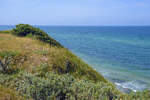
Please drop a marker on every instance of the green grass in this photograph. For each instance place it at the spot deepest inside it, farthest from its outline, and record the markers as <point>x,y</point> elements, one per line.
<point>5,32</point>
<point>9,53</point>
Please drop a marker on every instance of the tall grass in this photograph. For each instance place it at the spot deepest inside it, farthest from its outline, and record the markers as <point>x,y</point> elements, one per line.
<point>9,94</point>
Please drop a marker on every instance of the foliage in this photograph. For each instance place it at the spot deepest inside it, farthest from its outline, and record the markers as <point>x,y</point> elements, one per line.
<point>144,95</point>
<point>5,65</point>
<point>9,58</point>
<point>59,87</point>
<point>27,30</point>
<point>65,87</point>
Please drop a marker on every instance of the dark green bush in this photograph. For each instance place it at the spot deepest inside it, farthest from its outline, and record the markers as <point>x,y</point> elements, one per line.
<point>28,30</point>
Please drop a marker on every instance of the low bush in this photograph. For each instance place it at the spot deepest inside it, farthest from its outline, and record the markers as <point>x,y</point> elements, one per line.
<point>5,65</point>
<point>27,30</point>
<point>65,87</point>
<point>8,59</point>
<point>60,87</point>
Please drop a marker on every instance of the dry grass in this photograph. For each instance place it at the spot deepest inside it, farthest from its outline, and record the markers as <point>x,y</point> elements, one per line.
<point>8,94</point>
<point>32,49</point>
<point>32,53</point>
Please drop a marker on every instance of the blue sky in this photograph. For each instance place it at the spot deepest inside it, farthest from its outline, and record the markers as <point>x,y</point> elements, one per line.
<point>75,12</point>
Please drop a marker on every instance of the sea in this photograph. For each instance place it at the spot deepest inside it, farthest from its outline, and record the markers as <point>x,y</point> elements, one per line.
<point>120,53</point>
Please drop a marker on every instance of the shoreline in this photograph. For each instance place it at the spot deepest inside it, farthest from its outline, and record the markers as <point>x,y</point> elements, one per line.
<point>122,84</point>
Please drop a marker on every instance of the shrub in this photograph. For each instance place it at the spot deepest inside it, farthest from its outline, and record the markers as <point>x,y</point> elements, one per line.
<point>5,65</point>
<point>65,87</point>
<point>61,87</point>
<point>10,58</point>
<point>27,30</point>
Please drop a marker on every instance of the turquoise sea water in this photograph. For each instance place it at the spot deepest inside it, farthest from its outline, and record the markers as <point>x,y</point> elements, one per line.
<point>121,54</point>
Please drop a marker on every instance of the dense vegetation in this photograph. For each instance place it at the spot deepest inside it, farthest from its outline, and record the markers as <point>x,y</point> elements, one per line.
<point>42,70</point>
<point>27,30</point>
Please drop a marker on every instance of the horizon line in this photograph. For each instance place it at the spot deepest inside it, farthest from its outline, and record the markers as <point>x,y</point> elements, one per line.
<point>76,25</point>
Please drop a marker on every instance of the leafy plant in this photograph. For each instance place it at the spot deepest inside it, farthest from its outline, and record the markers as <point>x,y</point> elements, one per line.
<point>59,87</point>
<point>8,58</point>
<point>5,65</point>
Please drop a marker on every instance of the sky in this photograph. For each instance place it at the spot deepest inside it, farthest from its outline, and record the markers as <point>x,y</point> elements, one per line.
<point>75,12</point>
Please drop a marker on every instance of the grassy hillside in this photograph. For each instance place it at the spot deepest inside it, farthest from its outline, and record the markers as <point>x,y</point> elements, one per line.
<point>45,70</point>
<point>28,54</point>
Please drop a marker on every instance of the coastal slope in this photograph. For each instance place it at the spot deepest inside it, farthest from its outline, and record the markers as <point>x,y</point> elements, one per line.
<point>38,67</point>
